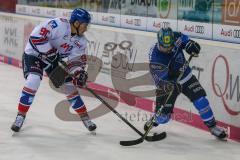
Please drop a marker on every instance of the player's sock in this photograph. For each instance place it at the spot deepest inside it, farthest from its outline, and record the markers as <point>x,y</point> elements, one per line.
<point>23,107</point>
<point>78,105</point>
<point>28,93</point>
<point>205,111</point>
<point>26,100</point>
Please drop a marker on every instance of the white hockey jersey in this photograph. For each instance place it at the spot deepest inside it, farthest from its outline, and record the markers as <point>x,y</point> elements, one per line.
<point>54,36</point>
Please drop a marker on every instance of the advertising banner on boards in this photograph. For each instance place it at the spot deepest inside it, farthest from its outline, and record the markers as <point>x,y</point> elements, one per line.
<point>109,19</point>
<point>134,22</point>
<point>118,60</point>
<point>195,29</point>
<point>11,39</point>
<point>154,24</point>
<point>226,33</point>
<point>231,12</point>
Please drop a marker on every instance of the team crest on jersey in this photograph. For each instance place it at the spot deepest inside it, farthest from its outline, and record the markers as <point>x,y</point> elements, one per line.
<point>78,44</point>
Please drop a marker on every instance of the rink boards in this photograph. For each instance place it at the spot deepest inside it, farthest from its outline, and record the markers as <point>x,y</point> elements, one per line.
<point>118,64</point>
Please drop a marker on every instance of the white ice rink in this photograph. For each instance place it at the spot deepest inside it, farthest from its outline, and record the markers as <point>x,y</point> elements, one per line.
<point>45,137</point>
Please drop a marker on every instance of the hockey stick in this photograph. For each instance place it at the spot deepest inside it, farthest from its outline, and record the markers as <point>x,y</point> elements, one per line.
<point>141,139</point>
<point>156,137</point>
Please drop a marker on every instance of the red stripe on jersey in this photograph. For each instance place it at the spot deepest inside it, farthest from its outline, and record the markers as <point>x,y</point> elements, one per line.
<point>41,40</point>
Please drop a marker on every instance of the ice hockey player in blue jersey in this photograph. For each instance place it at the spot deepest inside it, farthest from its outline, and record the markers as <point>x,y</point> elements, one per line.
<point>166,60</point>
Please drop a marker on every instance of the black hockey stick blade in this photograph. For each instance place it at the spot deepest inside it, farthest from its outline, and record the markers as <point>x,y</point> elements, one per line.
<point>131,142</point>
<point>155,137</point>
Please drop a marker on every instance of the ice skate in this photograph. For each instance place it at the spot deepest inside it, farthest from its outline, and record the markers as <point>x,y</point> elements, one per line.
<point>218,132</point>
<point>88,123</point>
<point>18,123</point>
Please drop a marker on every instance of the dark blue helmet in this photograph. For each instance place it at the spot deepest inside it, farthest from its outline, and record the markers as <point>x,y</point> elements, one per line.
<point>165,37</point>
<point>80,15</point>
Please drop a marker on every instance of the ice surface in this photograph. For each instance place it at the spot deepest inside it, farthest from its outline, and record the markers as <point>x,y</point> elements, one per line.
<point>45,137</point>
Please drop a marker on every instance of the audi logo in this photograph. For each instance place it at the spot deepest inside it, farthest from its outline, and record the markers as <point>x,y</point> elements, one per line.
<point>199,29</point>
<point>161,24</point>
<point>137,22</point>
<point>236,33</point>
<point>112,19</point>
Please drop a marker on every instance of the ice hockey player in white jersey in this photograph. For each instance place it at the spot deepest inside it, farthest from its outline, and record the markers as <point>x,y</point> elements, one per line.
<point>50,42</point>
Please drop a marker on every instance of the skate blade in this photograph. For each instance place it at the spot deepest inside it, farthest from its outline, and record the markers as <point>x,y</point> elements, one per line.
<point>222,139</point>
<point>94,133</point>
<point>14,134</point>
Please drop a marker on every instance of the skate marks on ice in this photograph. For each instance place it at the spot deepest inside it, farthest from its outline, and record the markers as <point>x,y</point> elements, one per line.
<point>44,136</point>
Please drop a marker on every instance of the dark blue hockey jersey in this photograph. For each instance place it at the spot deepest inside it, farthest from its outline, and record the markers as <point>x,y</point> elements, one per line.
<point>160,62</point>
